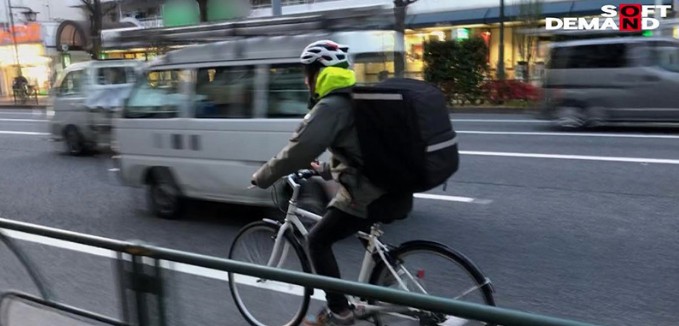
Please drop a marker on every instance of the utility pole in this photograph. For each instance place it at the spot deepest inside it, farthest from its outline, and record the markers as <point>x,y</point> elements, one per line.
<point>14,38</point>
<point>277,7</point>
<point>97,26</point>
<point>93,9</point>
<point>400,13</point>
<point>501,53</point>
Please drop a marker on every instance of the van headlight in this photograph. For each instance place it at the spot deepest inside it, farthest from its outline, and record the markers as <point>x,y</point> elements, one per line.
<point>49,112</point>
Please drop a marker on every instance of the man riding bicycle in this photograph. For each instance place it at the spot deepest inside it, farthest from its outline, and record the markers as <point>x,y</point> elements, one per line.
<point>358,203</point>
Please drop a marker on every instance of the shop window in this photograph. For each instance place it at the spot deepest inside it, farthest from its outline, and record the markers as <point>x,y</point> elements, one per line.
<point>72,83</point>
<point>225,92</point>
<point>288,95</point>
<point>158,95</point>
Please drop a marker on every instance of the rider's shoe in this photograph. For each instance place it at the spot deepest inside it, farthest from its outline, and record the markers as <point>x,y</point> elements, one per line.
<point>325,317</point>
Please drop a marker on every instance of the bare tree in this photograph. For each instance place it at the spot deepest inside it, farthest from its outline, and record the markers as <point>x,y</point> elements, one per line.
<point>400,13</point>
<point>95,13</point>
<point>529,16</point>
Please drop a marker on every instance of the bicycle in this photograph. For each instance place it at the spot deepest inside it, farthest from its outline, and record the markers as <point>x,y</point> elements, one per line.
<point>383,265</point>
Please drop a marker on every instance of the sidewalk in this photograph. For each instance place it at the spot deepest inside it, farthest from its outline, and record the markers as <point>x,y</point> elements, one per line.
<point>494,109</point>
<point>8,102</point>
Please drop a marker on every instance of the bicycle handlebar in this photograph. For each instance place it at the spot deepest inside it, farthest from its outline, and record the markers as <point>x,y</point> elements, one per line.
<point>294,178</point>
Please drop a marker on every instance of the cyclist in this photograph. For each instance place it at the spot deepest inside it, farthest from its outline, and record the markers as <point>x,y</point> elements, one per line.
<point>20,85</point>
<point>358,203</point>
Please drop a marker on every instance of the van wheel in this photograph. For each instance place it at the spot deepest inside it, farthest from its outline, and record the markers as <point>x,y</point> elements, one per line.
<point>74,141</point>
<point>164,196</point>
<point>569,117</point>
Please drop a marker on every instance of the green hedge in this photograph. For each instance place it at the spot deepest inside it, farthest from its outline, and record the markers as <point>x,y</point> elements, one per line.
<point>457,67</point>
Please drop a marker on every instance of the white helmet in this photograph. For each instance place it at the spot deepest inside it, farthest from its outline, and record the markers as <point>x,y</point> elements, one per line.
<point>327,53</point>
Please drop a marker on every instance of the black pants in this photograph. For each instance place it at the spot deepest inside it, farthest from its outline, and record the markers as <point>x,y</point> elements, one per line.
<point>333,227</point>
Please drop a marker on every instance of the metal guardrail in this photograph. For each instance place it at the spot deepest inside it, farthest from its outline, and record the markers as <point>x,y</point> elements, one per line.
<point>137,279</point>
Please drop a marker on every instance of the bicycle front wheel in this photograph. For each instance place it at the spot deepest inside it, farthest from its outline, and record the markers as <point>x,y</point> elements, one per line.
<point>267,302</point>
<point>434,269</point>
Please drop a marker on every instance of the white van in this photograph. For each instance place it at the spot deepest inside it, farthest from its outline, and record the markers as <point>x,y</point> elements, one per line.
<point>204,118</point>
<point>84,100</point>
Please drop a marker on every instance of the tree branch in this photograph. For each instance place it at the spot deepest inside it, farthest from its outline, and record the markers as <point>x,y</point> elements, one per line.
<point>88,5</point>
<point>107,11</point>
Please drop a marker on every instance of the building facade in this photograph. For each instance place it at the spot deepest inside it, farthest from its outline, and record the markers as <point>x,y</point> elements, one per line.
<point>426,20</point>
<point>28,40</point>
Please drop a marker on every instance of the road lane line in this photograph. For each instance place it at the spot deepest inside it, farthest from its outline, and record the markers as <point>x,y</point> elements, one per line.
<point>185,268</point>
<point>565,134</point>
<point>252,281</point>
<point>24,120</point>
<point>576,157</point>
<point>31,133</point>
<point>500,121</point>
<point>453,198</point>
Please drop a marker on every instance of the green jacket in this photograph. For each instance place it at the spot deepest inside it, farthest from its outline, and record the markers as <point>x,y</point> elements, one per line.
<point>329,125</point>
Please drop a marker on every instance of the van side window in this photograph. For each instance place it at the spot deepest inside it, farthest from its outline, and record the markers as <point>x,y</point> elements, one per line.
<point>288,95</point>
<point>593,56</point>
<point>598,56</point>
<point>115,75</point>
<point>72,83</point>
<point>158,95</point>
<point>666,56</point>
<point>225,92</point>
<point>558,58</point>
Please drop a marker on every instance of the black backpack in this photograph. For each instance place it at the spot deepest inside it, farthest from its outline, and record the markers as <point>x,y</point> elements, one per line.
<point>406,137</point>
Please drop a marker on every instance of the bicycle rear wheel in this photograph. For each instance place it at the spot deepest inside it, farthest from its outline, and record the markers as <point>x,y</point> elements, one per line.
<point>267,302</point>
<point>434,269</point>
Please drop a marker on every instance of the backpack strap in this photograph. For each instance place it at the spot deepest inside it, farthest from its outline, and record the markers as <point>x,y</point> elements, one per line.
<point>347,93</point>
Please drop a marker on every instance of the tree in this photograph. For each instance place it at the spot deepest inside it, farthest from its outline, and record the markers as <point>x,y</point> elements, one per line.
<point>457,68</point>
<point>95,13</point>
<point>400,12</point>
<point>530,13</point>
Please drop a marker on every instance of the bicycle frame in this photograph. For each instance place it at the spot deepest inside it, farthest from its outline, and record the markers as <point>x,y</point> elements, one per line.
<point>292,223</point>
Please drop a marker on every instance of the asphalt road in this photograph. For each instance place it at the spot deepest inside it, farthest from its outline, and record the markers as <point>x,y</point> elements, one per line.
<point>581,226</point>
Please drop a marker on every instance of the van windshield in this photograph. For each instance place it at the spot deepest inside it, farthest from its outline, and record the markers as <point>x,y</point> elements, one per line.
<point>157,94</point>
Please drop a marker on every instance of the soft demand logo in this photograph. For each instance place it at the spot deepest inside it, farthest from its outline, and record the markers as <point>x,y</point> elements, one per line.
<point>626,17</point>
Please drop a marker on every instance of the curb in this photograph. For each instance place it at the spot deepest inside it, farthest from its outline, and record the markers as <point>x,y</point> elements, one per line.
<point>486,110</point>
<point>494,110</point>
<point>22,106</point>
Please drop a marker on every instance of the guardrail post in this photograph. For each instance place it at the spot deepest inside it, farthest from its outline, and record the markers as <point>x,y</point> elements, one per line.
<point>142,286</point>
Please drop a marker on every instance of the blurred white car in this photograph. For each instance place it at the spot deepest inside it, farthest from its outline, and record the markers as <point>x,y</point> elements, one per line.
<point>84,100</point>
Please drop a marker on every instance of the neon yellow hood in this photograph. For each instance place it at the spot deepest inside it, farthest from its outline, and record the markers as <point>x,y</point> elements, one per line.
<point>332,78</point>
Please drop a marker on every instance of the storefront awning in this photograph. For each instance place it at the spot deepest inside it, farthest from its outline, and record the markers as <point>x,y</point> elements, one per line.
<point>491,15</point>
<point>72,35</point>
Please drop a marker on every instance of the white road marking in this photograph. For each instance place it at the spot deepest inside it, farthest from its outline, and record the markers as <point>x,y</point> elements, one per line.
<point>31,133</point>
<point>576,157</point>
<point>185,268</point>
<point>565,134</point>
<point>453,198</point>
<point>24,120</point>
<point>177,267</point>
<point>500,121</point>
